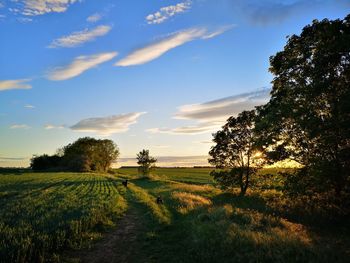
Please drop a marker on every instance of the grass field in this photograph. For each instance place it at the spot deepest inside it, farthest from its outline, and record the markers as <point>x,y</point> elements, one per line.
<point>190,175</point>
<point>41,214</point>
<point>64,216</point>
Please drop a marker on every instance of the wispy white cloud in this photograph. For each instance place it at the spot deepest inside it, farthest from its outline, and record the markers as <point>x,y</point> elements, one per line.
<point>15,84</point>
<point>78,38</point>
<point>19,126</point>
<point>40,7</point>
<point>29,106</point>
<point>94,18</point>
<point>3,158</point>
<point>188,130</point>
<point>108,125</point>
<point>222,109</point>
<point>210,116</point>
<point>24,20</point>
<point>157,49</point>
<point>218,31</point>
<point>51,126</point>
<point>79,65</point>
<point>166,12</point>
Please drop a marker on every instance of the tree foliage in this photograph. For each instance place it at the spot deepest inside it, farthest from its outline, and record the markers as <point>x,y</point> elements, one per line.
<point>235,152</point>
<point>308,116</point>
<point>46,162</point>
<point>84,155</point>
<point>145,161</point>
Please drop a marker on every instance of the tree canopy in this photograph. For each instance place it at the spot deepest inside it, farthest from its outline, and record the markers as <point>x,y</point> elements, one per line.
<point>145,161</point>
<point>84,155</point>
<point>235,152</point>
<point>308,116</point>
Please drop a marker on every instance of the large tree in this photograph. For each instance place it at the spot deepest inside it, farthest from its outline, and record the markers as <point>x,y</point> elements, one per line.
<point>89,154</point>
<point>84,155</point>
<point>308,116</point>
<point>145,161</point>
<point>235,153</point>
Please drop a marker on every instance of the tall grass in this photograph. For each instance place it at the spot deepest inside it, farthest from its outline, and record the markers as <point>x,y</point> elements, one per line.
<point>159,212</point>
<point>210,225</point>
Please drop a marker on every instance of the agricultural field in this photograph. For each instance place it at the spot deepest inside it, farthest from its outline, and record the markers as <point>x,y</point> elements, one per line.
<point>191,175</point>
<point>86,217</point>
<point>42,214</point>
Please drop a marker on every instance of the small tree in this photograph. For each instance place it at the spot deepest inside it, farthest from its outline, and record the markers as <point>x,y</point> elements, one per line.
<point>235,153</point>
<point>145,161</point>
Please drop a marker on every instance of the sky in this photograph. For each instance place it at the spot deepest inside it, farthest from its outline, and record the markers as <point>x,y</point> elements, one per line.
<point>156,74</point>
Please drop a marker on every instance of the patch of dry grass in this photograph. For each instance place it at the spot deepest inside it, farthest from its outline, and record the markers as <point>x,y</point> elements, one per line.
<point>188,201</point>
<point>194,188</point>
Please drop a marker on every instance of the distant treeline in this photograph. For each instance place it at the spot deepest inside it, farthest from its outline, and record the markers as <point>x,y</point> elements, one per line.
<point>13,169</point>
<point>84,155</point>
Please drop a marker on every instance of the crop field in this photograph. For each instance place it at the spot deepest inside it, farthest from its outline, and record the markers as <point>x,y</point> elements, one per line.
<point>41,214</point>
<point>85,217</point>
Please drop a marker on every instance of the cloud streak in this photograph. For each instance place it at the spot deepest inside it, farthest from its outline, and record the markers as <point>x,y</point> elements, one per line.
<point>94,18</point>
<point>189,130</point>
<point>222,109</point>
<point>41,7</point>
<point>78,38</point>
<point>19,126</point>
<point>51,127</point>
<point>157,49</point>
<point>210,116</point>
<point>108,125</point>
<point>29,106</point>
<point>2,158</point>
<point>166,12</point>
<point>15,84</point>
<point>79,65</point>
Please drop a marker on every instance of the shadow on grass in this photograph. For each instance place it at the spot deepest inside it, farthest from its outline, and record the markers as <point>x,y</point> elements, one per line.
<point>253,202</point>
<point>232,229</point>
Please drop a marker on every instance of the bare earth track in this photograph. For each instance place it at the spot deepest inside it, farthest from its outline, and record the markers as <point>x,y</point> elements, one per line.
<point>116,246</point>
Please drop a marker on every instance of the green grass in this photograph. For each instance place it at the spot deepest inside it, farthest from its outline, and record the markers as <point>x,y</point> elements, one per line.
<point>44,214</point>
<point>189,175</point>
<point>209,225</point>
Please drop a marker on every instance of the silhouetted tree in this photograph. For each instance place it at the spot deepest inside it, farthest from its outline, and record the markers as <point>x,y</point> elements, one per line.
<point>235,153</point>
<point>308,116</point>
<point>46,162</point>
<point>145,161</point>
<point>84,155</point>
<point>89,154</point>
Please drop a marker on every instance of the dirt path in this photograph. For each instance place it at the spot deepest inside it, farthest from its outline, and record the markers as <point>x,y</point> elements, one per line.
<point>118,246</point>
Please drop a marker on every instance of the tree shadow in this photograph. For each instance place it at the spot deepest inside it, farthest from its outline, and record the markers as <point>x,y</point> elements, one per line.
<point>251,201</point>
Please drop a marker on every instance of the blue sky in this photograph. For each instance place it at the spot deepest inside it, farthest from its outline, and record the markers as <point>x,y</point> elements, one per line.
<point>155,74</point>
